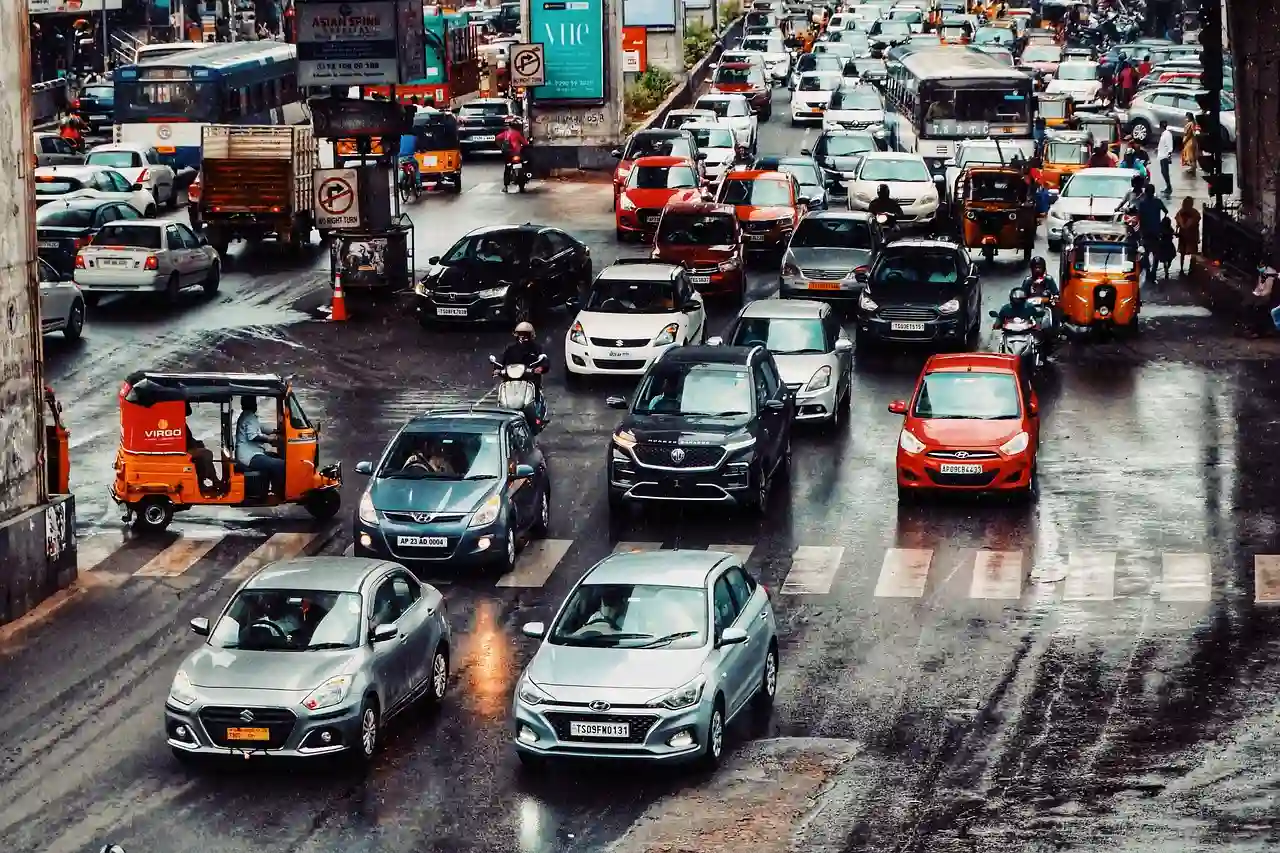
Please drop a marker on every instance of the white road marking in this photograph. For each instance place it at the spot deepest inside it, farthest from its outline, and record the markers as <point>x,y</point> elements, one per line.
<point>93,550</point>
<point>997,574</point>
<point>281,546</point>
<point>1187,577</point>
<point>486,187</point>
<point>813,570</point>
<point>904,573</point>
<point>178,557</point>
<point>1091,576</point>
<point>1266,578</point>
<point>536,563</point>
<point>742,552</point>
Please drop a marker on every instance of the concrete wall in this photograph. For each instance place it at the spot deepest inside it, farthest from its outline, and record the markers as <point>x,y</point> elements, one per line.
<point>39,556</point>
<point>1251,30</point>
<point>21,424</point>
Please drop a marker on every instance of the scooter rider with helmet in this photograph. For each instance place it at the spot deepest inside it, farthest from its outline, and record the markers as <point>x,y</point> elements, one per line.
<point>1018,308</point>
<point>526,350</point>
<point>1039,283</point>
<point>886,204</point>
<point>513,143</point>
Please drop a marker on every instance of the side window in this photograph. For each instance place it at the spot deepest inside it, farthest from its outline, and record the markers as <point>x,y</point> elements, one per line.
<point>297,416</point>
<point>726,609</point>
<point>769,373</point>
<point>385,604</point>
<point>762,388</point>
<point>559,242</point>
<point>684,290</point>
<point>174,237</point>
<point>542,248</point>
<point>188,236</point>
<point>831,329</point>
<point>406,590</point>
<point>118,182</point>
<point>105,215</point>
<point>521,441</point>
<point>60,145</point>
<point>124,211</point>
<point>742,585</point>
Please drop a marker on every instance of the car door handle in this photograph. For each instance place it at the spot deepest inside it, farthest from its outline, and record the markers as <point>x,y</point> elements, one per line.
<point>404,638</point>
<point>764,617</point>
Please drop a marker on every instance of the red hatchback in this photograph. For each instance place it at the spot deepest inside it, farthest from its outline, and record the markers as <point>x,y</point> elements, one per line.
<point>972,425</point>
<point>651,185</point>
<point>706,240</point>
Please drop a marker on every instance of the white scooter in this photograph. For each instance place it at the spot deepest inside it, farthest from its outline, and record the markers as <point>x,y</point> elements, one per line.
<point>517,390</point>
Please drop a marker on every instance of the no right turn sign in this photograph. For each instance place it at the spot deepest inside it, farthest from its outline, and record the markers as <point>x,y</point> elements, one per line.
<point>337,203</point>
<point>527,65</point>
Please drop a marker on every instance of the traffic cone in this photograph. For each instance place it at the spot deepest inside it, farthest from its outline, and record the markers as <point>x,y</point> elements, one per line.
<point>339,311</point>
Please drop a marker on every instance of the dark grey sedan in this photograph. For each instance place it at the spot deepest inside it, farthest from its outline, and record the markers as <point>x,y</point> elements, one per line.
<point>826,252</point>
<point>310,657</point>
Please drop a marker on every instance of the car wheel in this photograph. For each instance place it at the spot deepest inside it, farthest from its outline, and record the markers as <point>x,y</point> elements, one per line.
<point>760,494</point>
<point>323,505</point>
<point>521,309</point>
<point>542,525</point>
<point>906,496</point>
<point>212,280</point>
<point>75,322</point>
<point>150,212</point>
<point>762,702</point>
<point>362,754</point>
<point>1032,491</point>
<point>153,514</point>
<point>439,685</point>
<point>172,290</point>
<point>713,749</point>
<point>506,561</point>
<point>1140,130</point>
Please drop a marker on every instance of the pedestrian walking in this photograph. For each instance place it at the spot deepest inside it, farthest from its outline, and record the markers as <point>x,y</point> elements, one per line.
<point>1128,79</point>
<point>1168,247</point>
<point>1164,153</point>
<point>1190,145</point>
<point>1187,222</point>
<point>1151,212</point>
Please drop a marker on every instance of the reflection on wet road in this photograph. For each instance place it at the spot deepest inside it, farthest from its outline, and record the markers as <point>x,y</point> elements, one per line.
<point>1094,671</point>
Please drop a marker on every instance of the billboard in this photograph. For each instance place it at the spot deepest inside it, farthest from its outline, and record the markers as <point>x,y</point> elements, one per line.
<point>369,43</point>
<point>572,36</point>
<point>47,7</point>
<point>652,14</point>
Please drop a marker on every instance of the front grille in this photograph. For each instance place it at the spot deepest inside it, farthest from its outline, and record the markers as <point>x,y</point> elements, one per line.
<point>675,490</point>
<point>967,454</point>
<point>983,479</point>
<point>660,456</point>
<point>423,517</point>
<point>619,342</point>
<point>620,363</point>
<point>825,275</point>
<point>277,721</point>
<point>757,227</point>
<point>909,313</point>
<point>703,270</point>
<point>905,202</point>
<point>1104,296</point>
<point>640,725</point>
<point>455,298</point>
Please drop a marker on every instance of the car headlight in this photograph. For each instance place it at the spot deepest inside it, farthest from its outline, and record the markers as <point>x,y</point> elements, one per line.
<point>1016,445</point>
<point>685,696</point>
<point>488,512</point>
<point>626,204</point>
<point>625,439</point>
<point>866,303</point>
<point>577,334</point>
<point>908,442</point>
<point>729,265</point>
<point>182,692</point>
<point>331,693</point>
<point>494,292</point>
<point>367,513</point>
<point>790,270</point>
<point>821,379</point>
<point>951,306</point>
<point>530,693</point>
<point>740,444</point>
<point>421,289</point>
<point>667,335</point>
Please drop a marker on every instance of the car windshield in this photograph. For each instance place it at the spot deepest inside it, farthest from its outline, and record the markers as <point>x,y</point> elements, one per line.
<point>857,98</point>
<point>101,93</point>
<point>911,16</point>
<point>1104,257</point>
<point>968,396</point>
<point>759,193</point>
<point>782,336</point>
<point>734,76</point>
<point>1077,71</point>
<point>1042,53</point>
<point>695,390</point>
<point>65,217</point>
<point>831,233</point>
<point>982,156</point>
<point>893,28</point>
<point>806,174</point>
<point>675,121</point>
<point>869,66</point>
<point>992,35</point>
<point>278,620</point>
<point>128,236</point>
<point>844,146</point>
<point>485,110</point>
<point>816,83</point>
<point>60,186</point>
<point>114,159</point>
<point>509,247</point>
<point>620,296</point>
<point>1003,55</point>
<point>657,146</point>
<point>442,455</point>
<point>900,269</point>
<point>1084,185</point>
<point>894,170</point>
<point>661,178</point>
<point>712,137</point>
<point>692,229</point>
<point>718,106</point>
<point>759,44</point>
<point>1071,153</point>
<point>632,616</point>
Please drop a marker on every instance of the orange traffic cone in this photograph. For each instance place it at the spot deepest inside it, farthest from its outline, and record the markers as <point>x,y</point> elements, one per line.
<point>339,310</point>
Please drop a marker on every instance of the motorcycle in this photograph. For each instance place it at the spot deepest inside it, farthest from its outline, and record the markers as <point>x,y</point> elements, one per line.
<point>1019,337</point>
<point>517,390</point>
<point>516,172</point>
<point>410,182</point>
<point>885,229</point>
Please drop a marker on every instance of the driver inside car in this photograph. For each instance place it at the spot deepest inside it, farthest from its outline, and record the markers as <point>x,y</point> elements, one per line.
<point>610,613</point>
<point>668,398</point>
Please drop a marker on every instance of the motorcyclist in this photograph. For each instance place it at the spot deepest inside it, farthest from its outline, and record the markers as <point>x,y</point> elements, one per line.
<point>407,161</point>
<point>513,143</point>
<point>886,204</point>
<point>72,130</point>
<point>526,350</point>
<point>1018,308</point>
<point>1039,283</point>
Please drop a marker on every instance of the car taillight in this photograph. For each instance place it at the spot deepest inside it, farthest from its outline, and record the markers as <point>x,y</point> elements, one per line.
<point>142,177</point>
<point>862,269</point>
<point>153,263</point>
<point>80,242</point>
<point>193,192</point>
<point>75,103</point>
<point>79,261</point>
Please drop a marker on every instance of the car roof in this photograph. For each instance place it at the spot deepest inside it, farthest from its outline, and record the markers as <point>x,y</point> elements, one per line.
<point>487,101</point>
<point>319,574</point>
<point>737,66</point>
<point>891,155</point>
<point>643,270</point>
<point>925,243</point>
<point>989,362</point>
<point>796,309</point>
<point>659,132</point>
<point>758,175</point>
<point>1107,171</point>
<point>848,131</point>
<point>856,215</point>
<point>731,356</point>
<point>661,161</point>
<point>680,568</point>
<point>492,416</point>
<point>705,125</point>
<point>73,171</point>
<point>721,96</point>
<point>528,228</point>
<point>699,208</point>
<point>81,202</point>
<point>801,160</point>
<point>118,146</point>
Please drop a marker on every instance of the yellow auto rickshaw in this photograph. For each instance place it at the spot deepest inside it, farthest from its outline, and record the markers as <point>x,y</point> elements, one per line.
<point>1057,110</point>
<point>161,468</point>
<point>996,210</point>
<point>1100,277</point>
<point>436,148</point>
<point>1065,153</point>
<point>1102,129</point>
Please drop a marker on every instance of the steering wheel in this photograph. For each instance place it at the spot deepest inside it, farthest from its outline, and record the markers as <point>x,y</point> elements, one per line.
<point>265,624</point>
<point>754,342</point>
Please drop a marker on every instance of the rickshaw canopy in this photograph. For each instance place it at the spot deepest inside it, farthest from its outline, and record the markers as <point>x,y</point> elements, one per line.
<point>1102,128</point>
<point>1088,233</point>
<point>148,389</point>
<point>995,185</point>
<point>1054,105</point>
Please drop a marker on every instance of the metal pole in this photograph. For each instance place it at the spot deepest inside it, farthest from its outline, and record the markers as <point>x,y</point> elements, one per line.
<point>106,49</point>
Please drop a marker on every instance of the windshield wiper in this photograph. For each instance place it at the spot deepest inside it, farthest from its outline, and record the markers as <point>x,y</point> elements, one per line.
<point>797,351</point>
<point>322,646</point>
<point>679,635</point>
<point>481,477</point>
<point>725,414</point>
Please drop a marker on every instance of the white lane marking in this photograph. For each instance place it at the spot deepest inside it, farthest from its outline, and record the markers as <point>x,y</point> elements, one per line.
<point>178,557</point>
<point>904,573</point>
<point>1266,578</point>
<point>486,187</point>
<point>997,574</point>
<point>93,550</point>
<point>280,546</point>
<point>636,547</point>
<point>1187,577</point>
<point>1091,576</point>
<point>742,552</point>
<point>536,563</point>
<point>813,570</point>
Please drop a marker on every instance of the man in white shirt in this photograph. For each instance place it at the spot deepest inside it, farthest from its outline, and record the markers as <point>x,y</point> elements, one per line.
<point>1164,153</point>
<point>253,445</point>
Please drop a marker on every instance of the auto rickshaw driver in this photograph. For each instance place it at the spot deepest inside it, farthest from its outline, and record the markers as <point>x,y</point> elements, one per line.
<point>253,445</point>
<point>201,458</point>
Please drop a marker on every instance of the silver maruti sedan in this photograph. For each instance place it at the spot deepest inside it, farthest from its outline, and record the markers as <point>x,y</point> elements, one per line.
<point>310,657</point>
<point>650,657</point>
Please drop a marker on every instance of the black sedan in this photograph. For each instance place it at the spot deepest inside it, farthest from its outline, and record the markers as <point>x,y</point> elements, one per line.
<point>920,291</point>
<point>64,227</point>
<point>837,153</point>
<point>803,169</point>
<point>506,273</point>
<point>96,106</point>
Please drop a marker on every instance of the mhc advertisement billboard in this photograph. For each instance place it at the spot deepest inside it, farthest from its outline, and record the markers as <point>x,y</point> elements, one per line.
<point>572,36</point>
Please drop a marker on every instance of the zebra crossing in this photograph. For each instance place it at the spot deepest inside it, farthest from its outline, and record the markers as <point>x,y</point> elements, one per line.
<point>941,575</point>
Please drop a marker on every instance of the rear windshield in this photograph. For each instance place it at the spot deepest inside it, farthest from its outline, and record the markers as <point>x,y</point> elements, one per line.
<point>128,236</point>
<point>816,83</point>
<point>613,296</point>
<point>101,93</point>
<point>62,217</point>
<point>692,229</point>
<point>485,109</point>
<point>844,146</point>
<point>114,159</point>
<point>662,178</point>
<point>734,76</point>
<point>649,146</point>
<point>720,108</point>
<point>759,193</point>
<point>783,335</point>
<point>62,186</point>
<point>712,137</point>
<point>860,98</point>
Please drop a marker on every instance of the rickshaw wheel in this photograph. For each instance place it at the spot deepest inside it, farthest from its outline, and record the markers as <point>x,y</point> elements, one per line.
<point>322,505</point>
<point>455,186</point>
<point>989,254</point>
<point>152,514</point>
<point>1026,253</point>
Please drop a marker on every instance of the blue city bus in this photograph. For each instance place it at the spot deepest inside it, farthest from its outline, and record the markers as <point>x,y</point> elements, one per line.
<point>165,103</point>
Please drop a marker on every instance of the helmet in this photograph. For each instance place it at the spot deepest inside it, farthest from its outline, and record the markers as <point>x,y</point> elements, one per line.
<point>513,122</point>
<point>1017,297</point>
<point>524,329</point>
<point>883,191</point>
<point>1039,263</point>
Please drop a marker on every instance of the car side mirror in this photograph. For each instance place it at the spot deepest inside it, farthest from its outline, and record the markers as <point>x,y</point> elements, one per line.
<point>702,155</point>
<point>200,626</point>
<point>807,152</point>
<point>861,277</point>
<point>804,201</point>
<point>898,407</point>
<point>691,306</point>
<point>939,179</point>
<point>365,468</point>
<point>433,260</point>
<point>382,633</point>
<point>775,405</point>
<point>534,630</point>
<point>616,402</point>
<point>732,636</point>
<point>715,341</point>
<point>993,315</point>
<point>575,303</point>
<point>616,153</point>
<point>1053,195</point>
<point>844,345</point>
<point>524,472</point>
<point>949,163</point>
<point>135,187</point>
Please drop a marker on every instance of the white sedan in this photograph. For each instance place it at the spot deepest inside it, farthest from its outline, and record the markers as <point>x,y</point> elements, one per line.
<point>734,112</point>
<point>718,143</point>
<point>812,96</point>
<point>63,182</point>
<point>1093,193</point>
<point>146,257</point>
<point>1079,79</point>
<point>777,59</point>
<point>139,165</point>
<point>908,178</point>
<point>633,314</point>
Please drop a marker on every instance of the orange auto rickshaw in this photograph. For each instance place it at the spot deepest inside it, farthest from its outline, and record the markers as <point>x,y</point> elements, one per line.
<point>1057,110</point>
<point>161,469</point>
<point>996,210</point>
<point>1065,153</point>
<point>1100,277</point>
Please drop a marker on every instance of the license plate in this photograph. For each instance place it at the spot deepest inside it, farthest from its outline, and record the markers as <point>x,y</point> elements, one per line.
<point>97,118</point>
<point>756,238</point>
<point>112,262</point>
<point>422,541</point>
<point>961,469</point>
<point>451,312</point>
<point>248,734</point>
<point>431,161</point>
<point>618,730</point>
<point>906,327</point>
<point>485,138</point>
<point>652,220</point>
<point>613,353</point>
<point>824,285</point>
<point>700,279</point>
<point>47,244</point>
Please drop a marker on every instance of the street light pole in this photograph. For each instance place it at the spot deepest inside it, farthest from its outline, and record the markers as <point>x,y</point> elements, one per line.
<point>106,47</point>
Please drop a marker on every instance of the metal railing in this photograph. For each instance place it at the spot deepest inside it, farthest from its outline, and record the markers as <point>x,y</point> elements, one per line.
<point>124,47</point>
<point>1234,243</point>
<point>48,100</point>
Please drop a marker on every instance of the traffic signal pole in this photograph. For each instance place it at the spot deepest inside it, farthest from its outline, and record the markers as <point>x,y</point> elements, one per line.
<point>1212,139</point>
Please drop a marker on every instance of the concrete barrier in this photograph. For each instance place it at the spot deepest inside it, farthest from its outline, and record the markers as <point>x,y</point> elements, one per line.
<point>39,548</point>
<point>48,99</point>
<point>689,90</point>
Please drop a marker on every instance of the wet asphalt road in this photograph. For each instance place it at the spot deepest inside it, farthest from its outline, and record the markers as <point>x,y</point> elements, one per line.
<point>1090,673</point>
